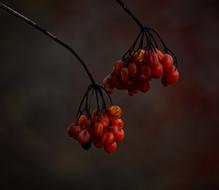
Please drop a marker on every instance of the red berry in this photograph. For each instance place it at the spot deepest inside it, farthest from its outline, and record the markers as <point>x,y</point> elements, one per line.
<point>84,137</point>
<point>118,122</point>
<point>110,148</point>
<point>119,135</point>
<point>167,62</point>
<point>108,138</point>
<point>172,76</point>
<point>157,71</point>
<point>144,86</point>
<point>73,130</point>
<point>153,60</point>
<point>98,130</point>
<point>104,120</point>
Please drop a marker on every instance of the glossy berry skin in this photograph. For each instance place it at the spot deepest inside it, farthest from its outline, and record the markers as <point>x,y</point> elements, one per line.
<point>73,130</point>
<point>108,138</point>
<point>115,111</point>
<point>98,129</point>
<point>172,76</point>
<point>118,122</point>
<point>84,137</point>
<point>167,62</point>
<point>144,86</point>
<point>157,71</point>
<point>119,135</point>
<point>110,148</point>
<point>104,120</point>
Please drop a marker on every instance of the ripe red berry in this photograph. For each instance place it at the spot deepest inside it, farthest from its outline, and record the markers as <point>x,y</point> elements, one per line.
<point>115,111</point>
<point>98,129</point>
<point>119,135</point>
<point>172,76</point>
<point>118,122</point>
<point>104,120</point>
<point>73,130</point>
<point>84,137</point>
<point>167,62</point>
<point>144,86</point>
<point>110,148</point>
<point>108,138</point>
<point>153,60</point>
<point>157,71</point>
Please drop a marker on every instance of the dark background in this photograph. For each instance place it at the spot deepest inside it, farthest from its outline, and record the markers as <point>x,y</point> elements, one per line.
<point>171,133</point>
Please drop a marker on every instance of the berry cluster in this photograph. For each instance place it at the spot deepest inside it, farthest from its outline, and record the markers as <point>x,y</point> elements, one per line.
<point>138,67</point>
<point>102,127</point>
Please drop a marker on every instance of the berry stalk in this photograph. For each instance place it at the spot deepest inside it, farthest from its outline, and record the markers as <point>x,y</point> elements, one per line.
<point>50,35</point>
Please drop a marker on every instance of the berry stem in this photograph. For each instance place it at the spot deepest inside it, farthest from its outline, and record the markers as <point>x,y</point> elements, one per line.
<point>50,35</point>
<point>130,13</point>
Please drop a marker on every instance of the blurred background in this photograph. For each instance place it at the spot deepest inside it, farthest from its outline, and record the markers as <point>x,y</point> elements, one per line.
<point>172,134</point>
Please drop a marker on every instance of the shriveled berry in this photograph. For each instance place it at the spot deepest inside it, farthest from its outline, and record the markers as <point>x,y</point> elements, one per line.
<point>138,56</point>
<point>115,111</point>
<point>160,54</point>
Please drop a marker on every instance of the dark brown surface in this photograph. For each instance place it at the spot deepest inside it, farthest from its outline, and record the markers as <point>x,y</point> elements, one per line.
<point>172,133</point>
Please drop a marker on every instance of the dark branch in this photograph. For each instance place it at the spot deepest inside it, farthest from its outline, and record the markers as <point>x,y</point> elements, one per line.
<point>50,35</point>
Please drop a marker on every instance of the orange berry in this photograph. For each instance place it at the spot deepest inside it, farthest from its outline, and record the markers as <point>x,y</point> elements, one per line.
<point>83,121</point>
<point>159,54</point>
<point>115,111</point>
<point>138,56</point>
